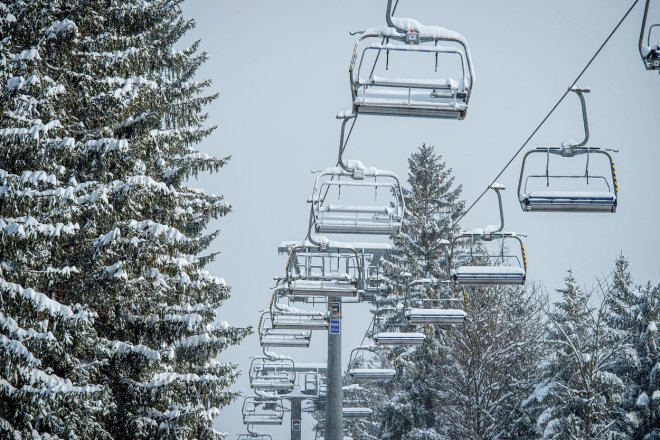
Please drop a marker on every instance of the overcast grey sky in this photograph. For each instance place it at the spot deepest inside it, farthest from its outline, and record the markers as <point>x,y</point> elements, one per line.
<point>281,68</point>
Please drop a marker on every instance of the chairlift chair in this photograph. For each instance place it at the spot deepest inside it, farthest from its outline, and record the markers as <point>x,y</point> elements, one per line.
<point>502,268</point>
<point>263,411</point>
<point>362,365</point>
<point>481,266</point>
<point>381,217</point>
<point>383,339</point>
<point>331,272</point>
<point>268,374</point>
<point>650,52</point>
<point>423,310</point>
<point>300,320</point>
<point>433,95</point>
<point>288,318</point>
<point>601,193</point>
<point>271,337</point>
<point>356,412</point>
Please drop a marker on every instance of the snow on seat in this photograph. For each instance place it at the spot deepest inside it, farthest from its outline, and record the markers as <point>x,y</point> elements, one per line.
<point>356,413</point>
<point>440,83</point>
<point>487,275</point>
<point>399,338</point>
<point>435,316</point>
<point>285,340</point>
<point>322,288</point>
<point>299,321</point>
<point>577,201</point>
<point>254,436</point>
<point>371,373</point>
<point>407,101</point>
<point>272,383</point>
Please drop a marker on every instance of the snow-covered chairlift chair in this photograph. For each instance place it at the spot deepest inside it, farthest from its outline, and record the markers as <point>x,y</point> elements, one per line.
<point>474,268</point>
<point>333,271</point>
<point>419,309</point>
<point>363,365</point>
<point>480,265</point>
<point>650,52</point>
<point>277,375</point>
<point>271,337</point>
<point>263,411</point>
<point>383,215</point>
<point>285,317</point>
<point>432,95</point>
<point>388,339</point>
<point>570,191</point>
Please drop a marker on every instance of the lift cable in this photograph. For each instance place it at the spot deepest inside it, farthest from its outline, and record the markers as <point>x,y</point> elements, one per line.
<point>538,127</point>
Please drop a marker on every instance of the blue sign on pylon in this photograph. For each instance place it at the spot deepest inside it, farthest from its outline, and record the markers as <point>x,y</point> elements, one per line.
<point>295,425</point>
<point>335,328</point>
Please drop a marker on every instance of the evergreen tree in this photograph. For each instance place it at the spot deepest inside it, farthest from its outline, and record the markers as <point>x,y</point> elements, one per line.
<point>578,397</point>
<point>633,313</point>
<point>432,207</point>
<point>104,290</point>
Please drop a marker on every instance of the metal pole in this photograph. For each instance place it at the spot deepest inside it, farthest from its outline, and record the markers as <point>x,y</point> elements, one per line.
<point>333,409</point>
<point>296,419</point>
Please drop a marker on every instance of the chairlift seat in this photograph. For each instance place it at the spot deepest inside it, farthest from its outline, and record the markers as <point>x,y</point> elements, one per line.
<point>322,288</point>
<point>372,373</point>
<point>274,383</point>
<point>450,84</point>
<point>356,413</point>
<point>436,316</point>
<point>488,275</point>
<point>335,219</point>
<point>399,338</point>
<point>409,101</point>
<point>299,321</point>
<point>262,419</point>
<point>569,201</point>
<point>273,339</point>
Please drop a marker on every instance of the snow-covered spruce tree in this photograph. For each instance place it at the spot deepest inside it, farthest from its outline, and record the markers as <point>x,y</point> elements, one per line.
<point>49,351</point>
<point>432,207</point>
<point>632,316</point>
<point>578,397</point>
<point>98,143</point>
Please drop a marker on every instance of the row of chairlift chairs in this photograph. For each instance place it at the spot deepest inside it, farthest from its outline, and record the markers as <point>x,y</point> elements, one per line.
<point>318,268</point>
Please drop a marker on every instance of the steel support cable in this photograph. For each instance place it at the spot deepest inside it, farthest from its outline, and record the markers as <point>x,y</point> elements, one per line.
<point>538,127</point>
